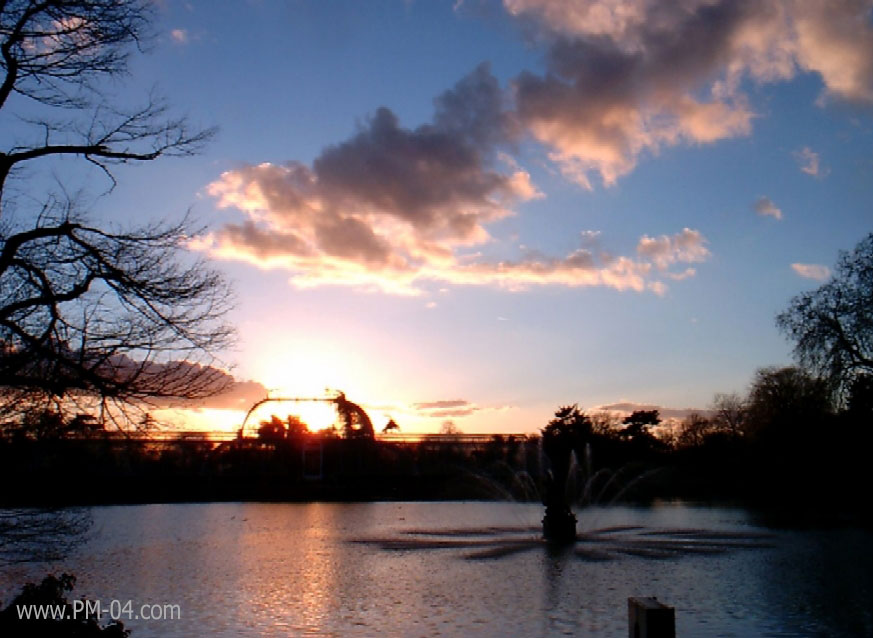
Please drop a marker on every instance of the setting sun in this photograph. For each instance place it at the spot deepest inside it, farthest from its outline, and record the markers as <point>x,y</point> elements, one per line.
<point>302,368</point>
<point>307,372</point>
<point>317,415</point>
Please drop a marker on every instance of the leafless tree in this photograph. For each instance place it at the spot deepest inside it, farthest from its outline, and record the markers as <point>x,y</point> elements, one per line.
<point>103,316</point>
<point>606,424</point>
<point>693,430</point>
<point>729,414</point>
<point>449,428</point>
<point>832,326</point>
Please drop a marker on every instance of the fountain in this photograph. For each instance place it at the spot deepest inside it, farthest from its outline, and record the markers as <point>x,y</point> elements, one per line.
<point>559,523</point>
<point>558,438</point>
<point>567,432</point>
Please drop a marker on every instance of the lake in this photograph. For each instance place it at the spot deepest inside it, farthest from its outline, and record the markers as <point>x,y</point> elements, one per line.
<point>327,569</point>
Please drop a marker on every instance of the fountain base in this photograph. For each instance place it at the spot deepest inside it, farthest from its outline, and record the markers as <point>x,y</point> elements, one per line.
<point>559,526</point>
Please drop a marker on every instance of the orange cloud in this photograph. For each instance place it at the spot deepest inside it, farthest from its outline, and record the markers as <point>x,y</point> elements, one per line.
<point>685,247</point>
<point>628,77</point>
<point>816,272</point>
<point>392,208</point>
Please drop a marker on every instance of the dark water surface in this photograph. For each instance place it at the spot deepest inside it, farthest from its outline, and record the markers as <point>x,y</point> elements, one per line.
<point>249,569</point>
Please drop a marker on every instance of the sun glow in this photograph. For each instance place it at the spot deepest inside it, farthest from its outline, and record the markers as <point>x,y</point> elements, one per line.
<point>303,369</point>
<point>200,419</point>
<point>317,415</point>
<point>304,372</point>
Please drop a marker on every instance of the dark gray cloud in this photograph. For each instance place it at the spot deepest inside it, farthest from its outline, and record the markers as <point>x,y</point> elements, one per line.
<point>606,98</point>
<point>385,202</point>
<point>477,111</point>
<point>428,177</point>
<point>265,244</point>
<point>186,384</point>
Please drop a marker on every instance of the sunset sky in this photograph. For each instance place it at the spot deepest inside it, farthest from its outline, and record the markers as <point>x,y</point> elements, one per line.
<point>478,211</point>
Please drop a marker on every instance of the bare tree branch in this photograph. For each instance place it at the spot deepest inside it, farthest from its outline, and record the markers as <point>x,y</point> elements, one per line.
<point>108,312</point>
<point>52,52</point>
<point>93,317</point>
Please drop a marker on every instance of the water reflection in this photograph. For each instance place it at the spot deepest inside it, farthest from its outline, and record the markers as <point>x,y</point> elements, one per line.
<point>41,534</point>
<point>463,569</point>
<point>604,544</point>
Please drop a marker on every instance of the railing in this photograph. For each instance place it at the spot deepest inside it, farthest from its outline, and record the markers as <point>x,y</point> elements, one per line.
<point>424,437</point>
<point>180,436</point>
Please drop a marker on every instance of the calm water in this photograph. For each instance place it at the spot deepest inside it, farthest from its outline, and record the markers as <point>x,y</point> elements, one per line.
<point>291,570</point>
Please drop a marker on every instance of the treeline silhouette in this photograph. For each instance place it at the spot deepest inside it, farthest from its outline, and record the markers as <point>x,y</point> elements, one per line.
<point>283,462</point>
<point>784,447</point>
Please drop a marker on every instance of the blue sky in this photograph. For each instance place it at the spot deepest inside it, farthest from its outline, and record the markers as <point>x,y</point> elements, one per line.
<point>606,208</point>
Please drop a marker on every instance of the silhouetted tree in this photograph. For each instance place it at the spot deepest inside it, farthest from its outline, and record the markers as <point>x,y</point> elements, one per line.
<point>729,414</point>
<point>355,421</point>
<point>272,430</point>
<point>638,426</point>
<point>93,313</point>
<point>605,424</point>
<point>694,430</point>
<point>568,430</point>
<point>330,432</point>
<point>448,427</point>
<point>787,404</point>
<point>39,423</point>
<point>860,403</point>
<point>832,326</point>
<point>297,429</point>
<point>391,426</point>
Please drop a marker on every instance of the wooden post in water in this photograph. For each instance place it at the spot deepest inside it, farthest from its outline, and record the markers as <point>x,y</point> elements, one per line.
<point>648,618</point>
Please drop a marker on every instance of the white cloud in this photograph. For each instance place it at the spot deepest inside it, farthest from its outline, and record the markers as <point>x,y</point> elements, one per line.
<point>817,272</point>
<point>686,247</point>
<point>685,274</point>
<point>179,36</point>
<point>765,207</point>
<point>810,162</point>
